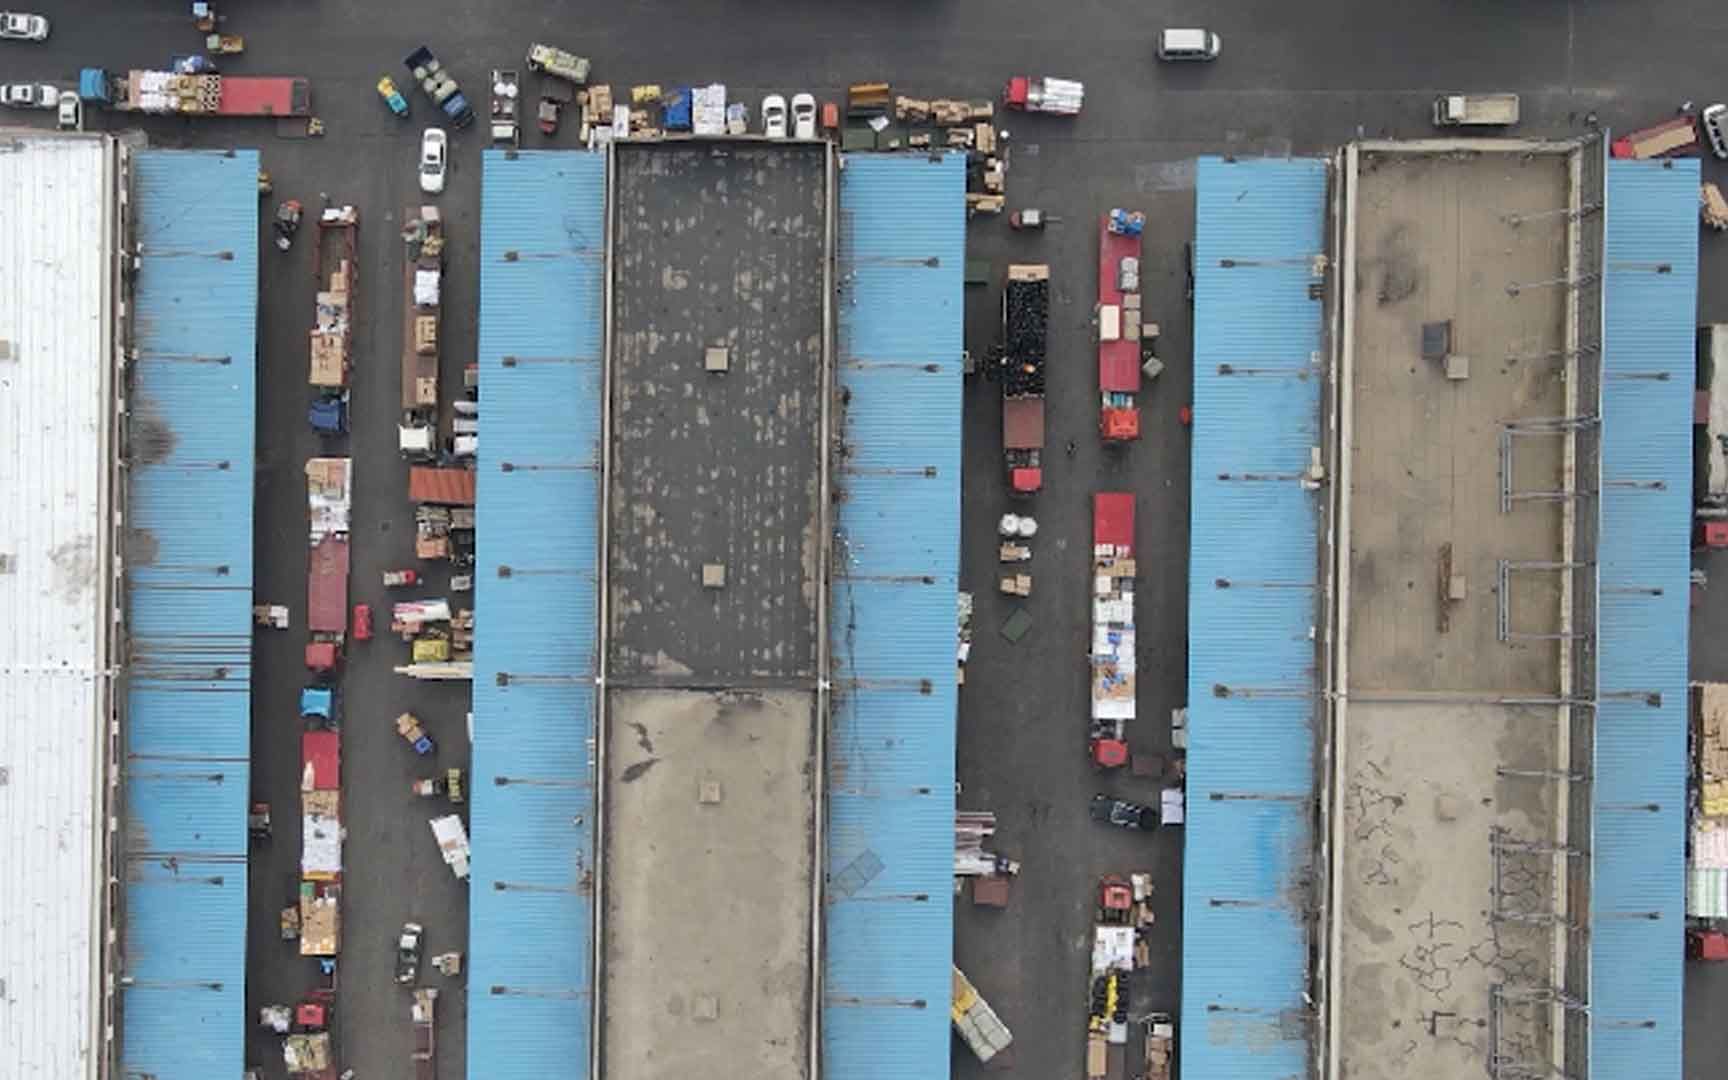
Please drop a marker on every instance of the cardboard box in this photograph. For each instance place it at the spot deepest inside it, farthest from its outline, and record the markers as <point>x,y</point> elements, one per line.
<point>426,334</point>
<point>1097,1057</point>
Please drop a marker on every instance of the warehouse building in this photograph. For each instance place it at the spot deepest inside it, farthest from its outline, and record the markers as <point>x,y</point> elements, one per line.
<point>126,353</point>
<point>706,477</point>
<point>1438,729</point>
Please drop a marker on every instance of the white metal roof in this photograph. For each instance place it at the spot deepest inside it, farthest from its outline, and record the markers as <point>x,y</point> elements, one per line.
<point>56,263</point>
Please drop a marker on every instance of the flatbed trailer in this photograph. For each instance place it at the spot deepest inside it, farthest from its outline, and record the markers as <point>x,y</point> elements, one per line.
<point>421,1017</point>
<point>336,277</point>
<point>422,330</point>
<point>506,111</point>
<point>1025,325</point>
<point>1111,654</point>
<point>1118,335</point>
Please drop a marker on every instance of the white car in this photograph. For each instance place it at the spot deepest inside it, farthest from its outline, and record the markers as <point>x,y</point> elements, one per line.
<point>803,116</point>
<point>29,96</point>
<point>71,112</point>
<point>1190,44</point>
<point>22,26</point>
<point>434,159</point>
<point>774,116</point>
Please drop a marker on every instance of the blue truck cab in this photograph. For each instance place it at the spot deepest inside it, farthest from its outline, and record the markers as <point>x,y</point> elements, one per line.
<point>95,86</point>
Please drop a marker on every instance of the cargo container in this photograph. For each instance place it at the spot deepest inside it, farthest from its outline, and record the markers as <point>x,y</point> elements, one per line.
<point>1111,655</point>
<point>171,93</point>
<point>1710,422</point>
<point>1025,332</point>
<point>437,84</point>
<point>1119,325</point>
<point>327,586</point>
<point>446,487</point>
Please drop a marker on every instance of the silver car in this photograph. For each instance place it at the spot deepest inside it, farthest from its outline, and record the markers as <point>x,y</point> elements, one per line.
<point>23,26</point>
<point>29,96</point>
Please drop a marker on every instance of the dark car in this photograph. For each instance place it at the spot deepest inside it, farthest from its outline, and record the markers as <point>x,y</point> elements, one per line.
<point>1122,813</point>
<point>408,953</point>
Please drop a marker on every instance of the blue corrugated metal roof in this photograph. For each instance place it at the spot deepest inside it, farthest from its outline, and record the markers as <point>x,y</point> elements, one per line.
<point>189,612</point>
<point>890,918</point>
<point>1650,288</point>
<point>1244,937</point>
<point>532,809</point>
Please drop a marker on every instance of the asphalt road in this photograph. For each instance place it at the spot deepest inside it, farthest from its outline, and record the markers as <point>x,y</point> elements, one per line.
<point>1292,78</point>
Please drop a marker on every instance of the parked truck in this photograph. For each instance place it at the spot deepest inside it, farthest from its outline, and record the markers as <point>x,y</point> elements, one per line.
<point>1025,321</point>
<point>560,64</point>
<point>975,1021</point>
<point>452,843</point>
<point>1044,94</point>
<point>506,93</point>
<point>1476,110</point>
<point>1671,138</point>
<point>438,85</point>
<point>168,92</point>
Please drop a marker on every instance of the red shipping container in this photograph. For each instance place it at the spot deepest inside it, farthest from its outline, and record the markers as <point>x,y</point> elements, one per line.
<point>1713,534</point>
<point>448,487</point>
<point>1113,519</point>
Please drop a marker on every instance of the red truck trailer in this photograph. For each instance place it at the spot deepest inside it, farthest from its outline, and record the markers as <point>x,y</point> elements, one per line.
<point>1112,651</point>
<point>327,591</point>
<point>175,94</point>
<point>1119,325</point>
<point>1025,324</point>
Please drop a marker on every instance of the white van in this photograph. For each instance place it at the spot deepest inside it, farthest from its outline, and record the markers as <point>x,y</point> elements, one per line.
<point>1188,45</point>
<point>1714,120</point>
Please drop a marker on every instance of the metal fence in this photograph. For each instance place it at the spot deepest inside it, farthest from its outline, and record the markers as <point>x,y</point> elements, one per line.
<point>1588,272</point>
